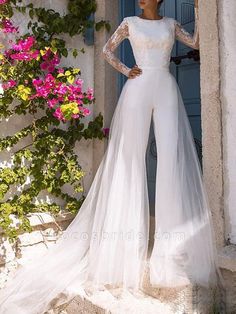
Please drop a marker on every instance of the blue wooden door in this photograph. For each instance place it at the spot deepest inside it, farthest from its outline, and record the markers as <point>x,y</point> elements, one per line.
<point>186,74</point>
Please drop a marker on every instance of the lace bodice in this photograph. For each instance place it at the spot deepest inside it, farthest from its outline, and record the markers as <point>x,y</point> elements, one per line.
<point>151,41</point>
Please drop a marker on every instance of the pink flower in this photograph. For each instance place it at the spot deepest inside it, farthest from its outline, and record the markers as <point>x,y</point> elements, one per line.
<point>20,56</point>
<point>86,111</point>
<point>37,82</point>
<point>51,68</point>
<point>60,70</point>
<point>56,60</point>
<point>60,98</point>
<point>8,27</point>
<point>43,66</point>
<point>52,102</point>
<point>50,78</point>
<point>75,89</point>
<point>9,84</point>
<point>59,115</point>
<point>25,56</point>
<point>3,1</point>
<point>24,44</point>
<point>75,116</point>
<point>50,61</point>
<point>12,83</point>
<point>79,82</point>
<point>90,91</point>
<point>62,90</point>
<point>79,101</point>
<point>90,97</point>
<point>90,94</point>
<point>106,131</point>
<point>34,54</point>
<point>46,55</point>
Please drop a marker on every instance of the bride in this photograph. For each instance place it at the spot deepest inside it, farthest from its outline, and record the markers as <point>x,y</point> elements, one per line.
<point>107,242</point>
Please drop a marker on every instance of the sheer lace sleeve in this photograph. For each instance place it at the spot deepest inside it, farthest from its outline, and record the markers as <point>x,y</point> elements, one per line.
<point>185,37</point>
<point>113,42</point>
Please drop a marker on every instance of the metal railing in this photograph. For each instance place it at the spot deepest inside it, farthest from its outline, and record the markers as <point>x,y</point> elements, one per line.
<point>192,54</point>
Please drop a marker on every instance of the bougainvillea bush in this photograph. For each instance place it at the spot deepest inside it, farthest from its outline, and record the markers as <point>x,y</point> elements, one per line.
<point>35,83</point>
<point>30,75</point>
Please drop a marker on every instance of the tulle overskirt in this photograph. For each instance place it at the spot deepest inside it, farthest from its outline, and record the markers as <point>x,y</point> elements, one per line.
<point>107,242</point>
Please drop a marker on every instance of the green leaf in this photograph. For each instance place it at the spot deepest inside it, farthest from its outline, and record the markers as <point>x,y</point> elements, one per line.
<point>67,73</point>
<point>31,13</point>
<point>70,79</point>
<point>75,53</point>
<point>64,52</point>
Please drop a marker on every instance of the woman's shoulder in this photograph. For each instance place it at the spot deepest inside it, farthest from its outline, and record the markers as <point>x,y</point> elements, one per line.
<point>128,18</point>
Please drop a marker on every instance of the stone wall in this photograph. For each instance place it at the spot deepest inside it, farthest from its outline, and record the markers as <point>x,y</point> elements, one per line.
<point>227,30</point>
<point>218,93</point>
<point>46,230</point>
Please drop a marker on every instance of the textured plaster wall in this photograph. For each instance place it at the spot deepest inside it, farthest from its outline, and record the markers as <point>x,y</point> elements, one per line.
<point>106,77</point>
<point>218,70</point>
<point>227,28</point>
<point>211,113</point>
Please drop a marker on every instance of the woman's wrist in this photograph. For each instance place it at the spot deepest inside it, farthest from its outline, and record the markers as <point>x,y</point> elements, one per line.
<point>126,71</point>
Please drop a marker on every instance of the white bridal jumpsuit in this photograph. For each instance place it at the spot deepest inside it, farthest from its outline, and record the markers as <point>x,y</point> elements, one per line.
<point>107,241</point>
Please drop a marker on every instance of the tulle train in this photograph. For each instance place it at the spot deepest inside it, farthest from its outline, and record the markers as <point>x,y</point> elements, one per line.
<point>107,242</point>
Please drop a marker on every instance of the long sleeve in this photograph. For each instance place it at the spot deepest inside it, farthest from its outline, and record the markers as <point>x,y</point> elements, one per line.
<point>185,37</point>
<point>113,42</point>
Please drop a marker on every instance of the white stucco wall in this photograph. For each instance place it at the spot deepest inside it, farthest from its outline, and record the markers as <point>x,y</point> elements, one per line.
<point>227,29</point>
<point>85,62</point>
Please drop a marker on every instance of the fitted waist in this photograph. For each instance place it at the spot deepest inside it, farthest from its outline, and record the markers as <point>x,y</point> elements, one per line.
<point>154,67</point>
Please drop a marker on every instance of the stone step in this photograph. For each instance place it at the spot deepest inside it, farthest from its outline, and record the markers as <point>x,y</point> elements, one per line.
<point>113,302</point>
<point>105,302</point>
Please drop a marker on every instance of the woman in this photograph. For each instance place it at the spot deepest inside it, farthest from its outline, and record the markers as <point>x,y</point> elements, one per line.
<point>106,244</point>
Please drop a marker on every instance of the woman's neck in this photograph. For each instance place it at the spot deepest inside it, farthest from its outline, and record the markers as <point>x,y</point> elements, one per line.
<point>150,14</point>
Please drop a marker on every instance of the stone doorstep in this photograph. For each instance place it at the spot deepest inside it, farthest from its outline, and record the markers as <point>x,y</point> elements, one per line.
<point>227,262</point>
<point>154,300</point>
<point>227,257</point>
<point>113,302</point>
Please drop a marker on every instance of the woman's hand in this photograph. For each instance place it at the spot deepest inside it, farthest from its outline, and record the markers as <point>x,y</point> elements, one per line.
<point>135,71</point>
<point>196,3</point>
